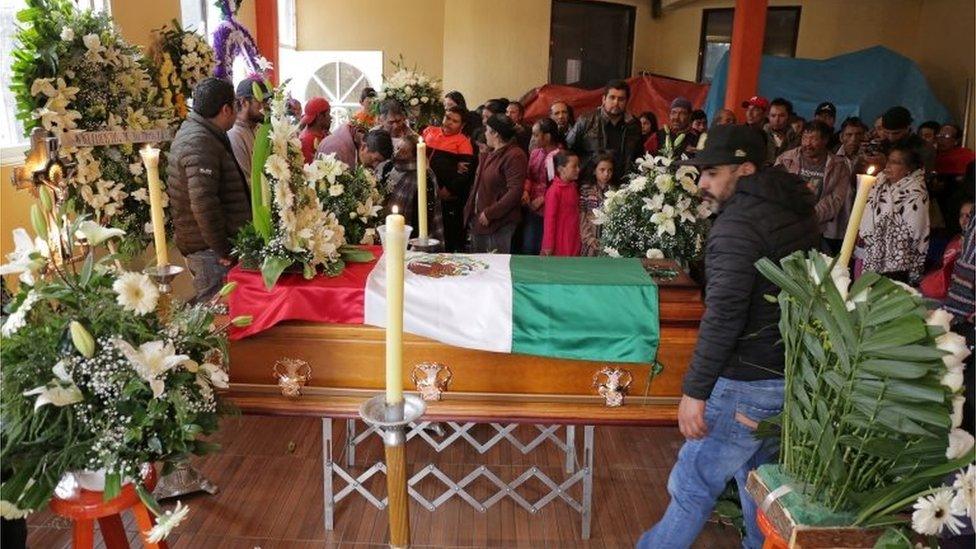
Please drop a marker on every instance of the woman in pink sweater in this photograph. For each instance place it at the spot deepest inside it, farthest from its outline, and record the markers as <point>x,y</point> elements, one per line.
<point>560,231</point>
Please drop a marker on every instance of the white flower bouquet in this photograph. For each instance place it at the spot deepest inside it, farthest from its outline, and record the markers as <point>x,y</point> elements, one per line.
<point>352,194</point>
<point>417,92</point>
<point>291,228</point>
<point>657,213</point>
<point>100,373</point>
<point>873,397</point>
<point>73,71</point>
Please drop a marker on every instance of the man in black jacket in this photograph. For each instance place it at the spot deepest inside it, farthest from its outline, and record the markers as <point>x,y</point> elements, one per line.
<point>208,194</point>
<point>735,379</point>
<point>609,128</point>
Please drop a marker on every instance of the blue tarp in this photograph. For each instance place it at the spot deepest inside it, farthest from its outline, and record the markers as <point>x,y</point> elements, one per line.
<point>863,83</point>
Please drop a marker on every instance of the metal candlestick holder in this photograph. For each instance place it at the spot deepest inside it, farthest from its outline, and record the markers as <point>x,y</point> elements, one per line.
<point>184,479</point>
<point>391,420</point>
<point>425,244</point>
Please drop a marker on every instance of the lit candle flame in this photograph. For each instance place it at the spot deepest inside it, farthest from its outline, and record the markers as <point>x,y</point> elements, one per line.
<point>396,210</point>
<point>870,170</point>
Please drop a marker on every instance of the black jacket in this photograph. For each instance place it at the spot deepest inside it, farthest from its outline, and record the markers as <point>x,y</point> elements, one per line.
<point>770,215</point>
<point>209,199</point>
<point>591,135</point>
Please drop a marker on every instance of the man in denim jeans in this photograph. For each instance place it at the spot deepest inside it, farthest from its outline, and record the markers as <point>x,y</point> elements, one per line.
<point>209,198</point>
<point>735,379</point>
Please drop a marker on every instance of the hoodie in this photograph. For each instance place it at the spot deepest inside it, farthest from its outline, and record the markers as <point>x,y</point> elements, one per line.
<point>771,214</point>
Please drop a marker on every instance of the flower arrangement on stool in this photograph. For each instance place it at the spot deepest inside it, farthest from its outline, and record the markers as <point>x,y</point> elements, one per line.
<point>96,383</point>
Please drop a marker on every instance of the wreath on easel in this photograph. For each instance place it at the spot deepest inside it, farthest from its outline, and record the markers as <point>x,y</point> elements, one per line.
<point>231,39</point>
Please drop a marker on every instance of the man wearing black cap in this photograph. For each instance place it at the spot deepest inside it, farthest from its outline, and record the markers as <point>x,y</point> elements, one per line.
<point>737,368</point>
<point>609,128</point>
<point>896,129</point>
<point>826,112</point>
<point>679,123</point>
<point>209,200</point>
<point>250,113</point>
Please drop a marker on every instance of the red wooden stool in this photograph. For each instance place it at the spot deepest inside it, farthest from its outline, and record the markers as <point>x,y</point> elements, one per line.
<point>773,539</point>
<point>88,506</point>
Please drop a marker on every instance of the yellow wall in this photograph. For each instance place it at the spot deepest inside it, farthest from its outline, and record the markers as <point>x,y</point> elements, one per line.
<point>415,29</point>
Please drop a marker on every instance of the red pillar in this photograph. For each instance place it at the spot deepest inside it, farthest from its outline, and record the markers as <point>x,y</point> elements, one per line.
<point>266,16</point>
<point>745,56</point>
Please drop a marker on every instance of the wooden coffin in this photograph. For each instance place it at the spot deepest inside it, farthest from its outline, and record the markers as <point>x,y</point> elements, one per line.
<point>346,364</point>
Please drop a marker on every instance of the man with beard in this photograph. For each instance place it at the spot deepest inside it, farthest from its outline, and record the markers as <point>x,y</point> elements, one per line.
<point>250,113</point>
<point>827,175</point>
<point>609,128</point>
<point>737,368</point>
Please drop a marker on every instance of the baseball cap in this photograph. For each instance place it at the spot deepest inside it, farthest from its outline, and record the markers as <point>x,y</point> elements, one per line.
<point>245,88</point>
<point>756,101</point>
<point>731,144</point>
<point>313,108</point>
<point>826,108</point>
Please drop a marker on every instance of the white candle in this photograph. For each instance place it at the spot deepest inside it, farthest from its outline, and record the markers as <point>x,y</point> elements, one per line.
<point>422,189</point>
<point>393,251</point>
<point>150,157</point>
<point>864,184</point>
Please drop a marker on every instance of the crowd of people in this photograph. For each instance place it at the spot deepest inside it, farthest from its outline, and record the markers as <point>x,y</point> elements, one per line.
<point>496,183</point>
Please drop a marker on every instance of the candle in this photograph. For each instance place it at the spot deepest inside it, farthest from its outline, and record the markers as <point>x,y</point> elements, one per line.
<point>150,157</point>
<point>422,188</point>
<point>864,184</point>
<point>393,251</point>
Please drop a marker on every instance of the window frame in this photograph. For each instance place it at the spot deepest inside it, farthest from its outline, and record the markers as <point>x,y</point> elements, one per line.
<point>631,34</point>
<point>703,34</point>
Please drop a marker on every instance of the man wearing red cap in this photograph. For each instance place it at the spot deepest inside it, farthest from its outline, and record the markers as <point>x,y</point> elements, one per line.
<point>315,126</point>
<point>756,107</point>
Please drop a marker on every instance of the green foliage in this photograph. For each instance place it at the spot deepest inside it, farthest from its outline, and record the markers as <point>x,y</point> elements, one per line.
<point>866,419</point>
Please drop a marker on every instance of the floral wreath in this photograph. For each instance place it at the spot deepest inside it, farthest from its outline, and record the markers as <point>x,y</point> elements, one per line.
<point>231,39</point>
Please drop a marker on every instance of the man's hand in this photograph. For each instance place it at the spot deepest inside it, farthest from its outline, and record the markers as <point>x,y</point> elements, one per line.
<point>483,219</point>
<point>691,417</point>
<point>537,203</point>
<point>225,261</point>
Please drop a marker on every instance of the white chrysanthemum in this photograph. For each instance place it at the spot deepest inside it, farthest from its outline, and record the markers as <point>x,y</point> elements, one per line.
<point>960,442</point>
<point>655,253</point>
<point>612,252</point>
<point>336,190</point>
<point>136,293</point>
<point>10,511</point>
<point>934,513</point>
<point>664,182</point>
<point>964,504</point>
<point>637,184</point>
<point>67,34</point>
<point>166,522</point>
<point>18,318</point>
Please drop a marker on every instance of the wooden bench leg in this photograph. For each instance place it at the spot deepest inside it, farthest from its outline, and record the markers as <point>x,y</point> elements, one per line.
<point>144,519</point>
<point>113,532</point>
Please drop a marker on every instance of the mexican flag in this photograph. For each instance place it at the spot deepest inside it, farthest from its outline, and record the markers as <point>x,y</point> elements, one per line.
<point>578,308</point>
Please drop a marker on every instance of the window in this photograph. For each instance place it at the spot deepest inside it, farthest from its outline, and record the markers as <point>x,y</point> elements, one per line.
<point>287,24</point>
<point>579,56</point>
<point>782,26</point>
<point>338,76</point>
<point>201,16</point>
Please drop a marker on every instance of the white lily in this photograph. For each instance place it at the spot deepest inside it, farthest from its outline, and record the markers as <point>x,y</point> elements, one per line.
<point>152,360</point>
<point>28,257</point>
<point>57,392</point>
<point>654,204</point>
<point>94,234</point>
<point>368,209</point>
<point>166,522</point>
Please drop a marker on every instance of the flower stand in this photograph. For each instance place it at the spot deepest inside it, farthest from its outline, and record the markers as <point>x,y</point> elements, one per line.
<point>782,529</point>
<point>88,506</point>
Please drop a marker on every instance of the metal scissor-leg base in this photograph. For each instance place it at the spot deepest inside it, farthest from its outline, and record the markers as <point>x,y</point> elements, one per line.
<point>577,471</point>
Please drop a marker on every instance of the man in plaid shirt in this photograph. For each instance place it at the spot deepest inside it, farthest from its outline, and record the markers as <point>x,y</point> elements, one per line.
<point>961,303</point>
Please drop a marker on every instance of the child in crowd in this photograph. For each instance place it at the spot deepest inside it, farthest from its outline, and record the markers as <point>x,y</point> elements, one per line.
<point>935,284</point>
<point>596,181</point>
<point>546,143</point>
<point>560,232</point>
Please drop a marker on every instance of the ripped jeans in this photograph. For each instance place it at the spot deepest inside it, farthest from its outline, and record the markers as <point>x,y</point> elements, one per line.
<point>705,466</point>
